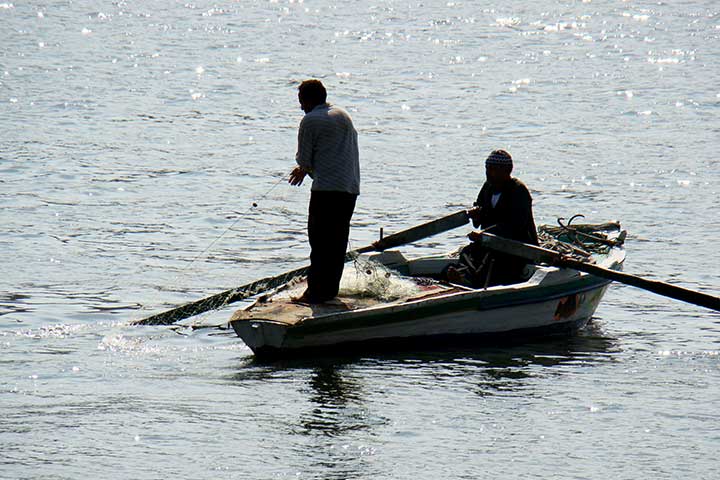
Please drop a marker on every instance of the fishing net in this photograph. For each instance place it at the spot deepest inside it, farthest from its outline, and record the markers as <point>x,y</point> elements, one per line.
<point>581,240</point>
<point>368,279</point>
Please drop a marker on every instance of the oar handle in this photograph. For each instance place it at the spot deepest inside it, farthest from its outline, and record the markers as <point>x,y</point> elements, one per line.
<point>419,232</point>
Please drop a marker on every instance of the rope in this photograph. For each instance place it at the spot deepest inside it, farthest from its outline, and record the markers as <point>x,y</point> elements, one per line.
<point>577,241</point>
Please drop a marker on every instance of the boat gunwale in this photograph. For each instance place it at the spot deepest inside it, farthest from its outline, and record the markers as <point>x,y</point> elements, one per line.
<point>461,301</point>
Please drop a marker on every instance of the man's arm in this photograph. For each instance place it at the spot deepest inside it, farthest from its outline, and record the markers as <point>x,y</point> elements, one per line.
<point>304,155</point>
<point>306,145</point>
<point>515,223</point>
<point>476,213</point>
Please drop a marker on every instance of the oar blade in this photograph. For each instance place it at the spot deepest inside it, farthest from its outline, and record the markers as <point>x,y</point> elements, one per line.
<point>543,255</point>
<point>221,299</point>
<point>660,288</point>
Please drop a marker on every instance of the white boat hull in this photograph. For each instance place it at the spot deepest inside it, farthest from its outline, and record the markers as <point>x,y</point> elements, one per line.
<point>522,310</point>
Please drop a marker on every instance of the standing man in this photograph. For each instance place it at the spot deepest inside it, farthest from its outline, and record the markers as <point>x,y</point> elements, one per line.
<point>328,152</point>
<point>504,208</point>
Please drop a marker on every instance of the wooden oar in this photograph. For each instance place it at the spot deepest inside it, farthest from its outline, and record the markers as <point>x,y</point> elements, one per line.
<point>236,294</point>
<point>542,255</point>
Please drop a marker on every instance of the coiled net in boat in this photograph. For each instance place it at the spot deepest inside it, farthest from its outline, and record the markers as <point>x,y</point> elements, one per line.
<point>581,240</point>
<point>370,279</point>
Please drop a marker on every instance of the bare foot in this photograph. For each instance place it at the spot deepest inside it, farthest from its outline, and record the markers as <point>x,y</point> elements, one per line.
<point>304,300</point>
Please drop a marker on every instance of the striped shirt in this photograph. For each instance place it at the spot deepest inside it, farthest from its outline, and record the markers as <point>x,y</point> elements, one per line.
<point>328,150</point>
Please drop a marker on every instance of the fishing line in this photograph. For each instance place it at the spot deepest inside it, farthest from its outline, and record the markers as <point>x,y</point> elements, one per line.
<point>240,217</point>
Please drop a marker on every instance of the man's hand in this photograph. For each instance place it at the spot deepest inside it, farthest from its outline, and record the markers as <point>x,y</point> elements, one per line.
<point>297,176</point>
<point>474,214</point>
<point>474,236</point>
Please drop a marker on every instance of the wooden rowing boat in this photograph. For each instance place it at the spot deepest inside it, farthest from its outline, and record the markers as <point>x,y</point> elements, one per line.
<point>430,311</point>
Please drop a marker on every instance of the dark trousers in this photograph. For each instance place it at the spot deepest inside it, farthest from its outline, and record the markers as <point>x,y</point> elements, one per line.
<point>489,268</point>
<point>329,217</point>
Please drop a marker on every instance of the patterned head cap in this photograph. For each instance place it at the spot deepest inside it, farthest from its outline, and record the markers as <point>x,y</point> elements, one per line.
<point>499,158</point>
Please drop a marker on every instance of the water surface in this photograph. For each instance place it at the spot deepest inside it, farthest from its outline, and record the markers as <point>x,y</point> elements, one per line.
<point>137,136</point>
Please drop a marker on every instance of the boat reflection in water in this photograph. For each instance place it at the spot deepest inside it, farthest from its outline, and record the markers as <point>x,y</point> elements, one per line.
<point>343,407</point>
<point>486,369</point>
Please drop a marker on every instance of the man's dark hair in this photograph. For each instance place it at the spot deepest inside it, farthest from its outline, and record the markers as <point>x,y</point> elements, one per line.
<point>313,91</point>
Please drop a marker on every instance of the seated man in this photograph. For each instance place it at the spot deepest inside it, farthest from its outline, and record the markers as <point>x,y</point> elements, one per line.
<point>503,208</point>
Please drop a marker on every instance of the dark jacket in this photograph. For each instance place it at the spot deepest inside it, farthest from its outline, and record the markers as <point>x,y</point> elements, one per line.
<point>512,216</point>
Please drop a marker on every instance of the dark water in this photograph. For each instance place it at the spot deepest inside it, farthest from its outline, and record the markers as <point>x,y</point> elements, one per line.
<point>135,138</point>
